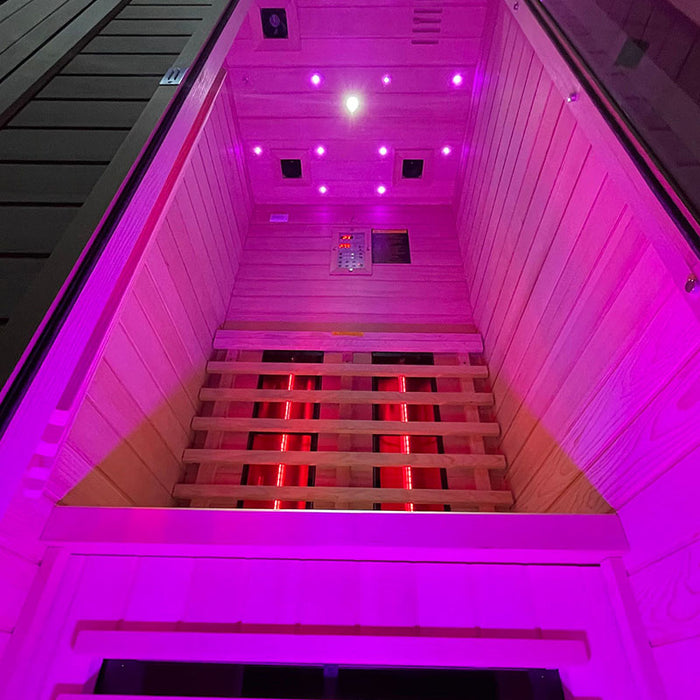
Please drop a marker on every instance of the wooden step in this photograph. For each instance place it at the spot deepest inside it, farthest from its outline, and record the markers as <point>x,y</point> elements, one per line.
<point>344,459</point>
<point>352,427</point>
<point>331,369</point>
<point>341,494</point>
<point>353,341</point>
<point>447,398</point>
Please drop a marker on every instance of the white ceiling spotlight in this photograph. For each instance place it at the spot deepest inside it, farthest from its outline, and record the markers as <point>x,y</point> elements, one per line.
<point>381,189</point>
<point>352,103</point>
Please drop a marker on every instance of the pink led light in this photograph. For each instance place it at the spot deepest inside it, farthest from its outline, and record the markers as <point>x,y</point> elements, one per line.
<point>320,150</point>
<point>257,150</point>
<point>381,189</point>
<point>316,79</point>
<point>446,150</point>
<point>386,80</point>
<point>383,150</point>
<point>457,79</point>
<point>323,189</point>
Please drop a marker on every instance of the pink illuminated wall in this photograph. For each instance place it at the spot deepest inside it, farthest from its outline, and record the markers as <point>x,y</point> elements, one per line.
<point>284,273</point>
<point>126,441</point>
<point>179,574</point>
<point>592,343</point>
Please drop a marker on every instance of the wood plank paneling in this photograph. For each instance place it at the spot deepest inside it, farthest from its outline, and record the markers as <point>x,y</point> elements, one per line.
<point>66,127</point>
<point>132,427</point>
<point>289,278</point>
<point>564,285</point>
<point>79,114</point>
<point>17,575</point>
<point>354,47</point>
<point>355,596</point>
<point>44,145</point>
<point>593,346</point>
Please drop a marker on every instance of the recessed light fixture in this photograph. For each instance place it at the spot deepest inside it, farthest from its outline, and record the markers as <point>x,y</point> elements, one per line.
<point>320,151</point>
<point>457,79</point>
<point>383,150</point>
<point>381,189</point>
<point>386,79</point>
<point>352,103</point>
<point>316,79</point>
<point>446,150</point>
<point>323,189</point>
<point>257,150</point>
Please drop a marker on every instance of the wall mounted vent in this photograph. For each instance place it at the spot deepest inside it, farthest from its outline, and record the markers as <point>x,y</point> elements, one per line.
<point>427,25</point>
<point>412,168</point>
<point>291,168</point>
<point>274,22</point>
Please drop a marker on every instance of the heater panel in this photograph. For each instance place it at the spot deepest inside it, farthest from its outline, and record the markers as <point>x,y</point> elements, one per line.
<point>351,252</point>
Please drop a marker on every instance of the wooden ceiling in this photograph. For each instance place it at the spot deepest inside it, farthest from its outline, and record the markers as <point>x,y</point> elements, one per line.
<point>352,44</point>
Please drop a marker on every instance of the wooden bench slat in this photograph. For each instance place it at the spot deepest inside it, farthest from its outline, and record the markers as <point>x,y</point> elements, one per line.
<point>352,427</point>
<point>360,341</point>
<point>344,459</point>
<point>347,369</point>
<point>449,398</point>
<point>343,494</point>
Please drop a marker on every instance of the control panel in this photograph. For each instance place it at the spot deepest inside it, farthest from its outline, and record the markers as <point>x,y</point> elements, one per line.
<point>351,252</point>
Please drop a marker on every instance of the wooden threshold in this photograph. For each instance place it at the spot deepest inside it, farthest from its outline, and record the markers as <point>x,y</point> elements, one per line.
<point>339,396</point>
<point>351,427</point>
<point>347,369</point>
<point>344,459</point>
<point>340,494</point>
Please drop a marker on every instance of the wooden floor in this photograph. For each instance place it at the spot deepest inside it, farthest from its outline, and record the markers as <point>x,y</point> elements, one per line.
<point>345,462</point>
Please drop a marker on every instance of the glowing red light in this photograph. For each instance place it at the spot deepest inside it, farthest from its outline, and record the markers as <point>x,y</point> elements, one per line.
<point>406,442</point>
<point>285,441</point>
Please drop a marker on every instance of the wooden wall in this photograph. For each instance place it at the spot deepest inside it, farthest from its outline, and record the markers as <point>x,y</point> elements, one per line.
<point>165,592</point>
<point>284,274</point>
<point>125,444</point>
<point>593,347</point>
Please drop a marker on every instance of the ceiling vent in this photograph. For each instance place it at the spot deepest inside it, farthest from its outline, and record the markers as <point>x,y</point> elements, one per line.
<point>291,168</point>
<point>412,168</point>
<point>274,22</point>
<point>427,25</point>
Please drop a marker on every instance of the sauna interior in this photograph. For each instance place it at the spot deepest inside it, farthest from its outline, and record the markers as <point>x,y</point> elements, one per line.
<point>351,334</point>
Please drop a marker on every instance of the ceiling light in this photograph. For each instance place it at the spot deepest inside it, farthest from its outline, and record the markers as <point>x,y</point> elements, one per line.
<point>381,189</point>
<point>352,103</point>
<point>323,189</point>
<point>457,79</point>
<point>383,150</point>
<point>257,150</point>
<point>386,80</point>
<point>320,150</point>
<point>316,79</point>
<point>446,150</point>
